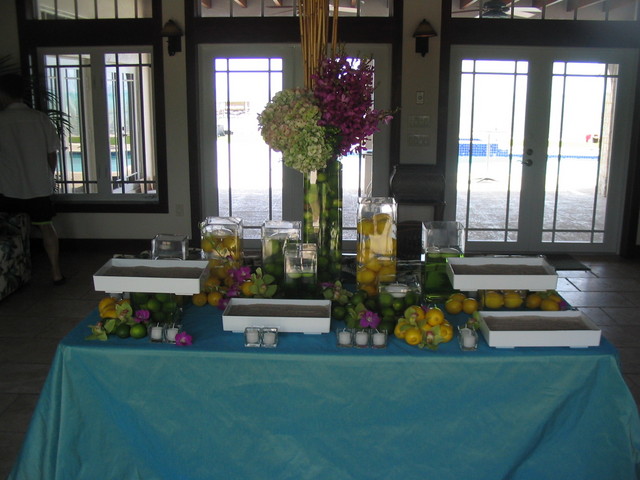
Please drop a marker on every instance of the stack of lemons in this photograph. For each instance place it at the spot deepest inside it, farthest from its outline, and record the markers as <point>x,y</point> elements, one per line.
<point>424,327</point>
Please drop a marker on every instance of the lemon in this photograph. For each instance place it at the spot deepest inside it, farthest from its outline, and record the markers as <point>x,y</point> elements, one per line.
<point>106,302</point>
<point>469,305</point>
<point>413,336</point>
<point>458,296</point>
<point>512,300</point>
<point>214,298</point>
<point>199,299</point>
<point>453,306</point>
<point>533,301</point>
<point>493,300</point>
<point>434,316</point>
<point>549,305</point>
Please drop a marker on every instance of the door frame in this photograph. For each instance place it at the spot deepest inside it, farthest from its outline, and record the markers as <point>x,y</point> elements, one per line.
<point>626,58</point>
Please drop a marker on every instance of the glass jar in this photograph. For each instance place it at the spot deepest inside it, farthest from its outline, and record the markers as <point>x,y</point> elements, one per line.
<point>377,243</point>
<point>276,234</point>
<point>221,242</point>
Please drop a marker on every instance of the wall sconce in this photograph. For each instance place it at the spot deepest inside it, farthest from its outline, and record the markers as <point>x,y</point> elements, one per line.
<point>173,32</point>
<point>422,35</point>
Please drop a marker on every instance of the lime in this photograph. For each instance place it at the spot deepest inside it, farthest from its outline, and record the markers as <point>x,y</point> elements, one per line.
<point>138,331</point>
<point>385,299</point>
<point>139,298</point>
<point>388,325</point>
<point>163,297</point>
<point>123,331</point>
<point>339,312</point>
<point>411,298</point>
<point>398,305</point>
<point>154,305</point>
<point>358,297</point>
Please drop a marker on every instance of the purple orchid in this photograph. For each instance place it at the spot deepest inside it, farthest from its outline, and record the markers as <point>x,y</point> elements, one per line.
<point>184,339</point>
<point>369,319</point>
<point>142,316</point>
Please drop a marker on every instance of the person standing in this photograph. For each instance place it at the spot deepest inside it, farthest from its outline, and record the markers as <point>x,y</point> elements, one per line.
<point>28,146</point>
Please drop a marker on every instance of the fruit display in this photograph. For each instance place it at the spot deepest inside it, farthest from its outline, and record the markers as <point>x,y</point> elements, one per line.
<point>548,300</point>
<point>162,307</point>
<point>118,317</point>
<point>424,327</point>
<point>377,244</point>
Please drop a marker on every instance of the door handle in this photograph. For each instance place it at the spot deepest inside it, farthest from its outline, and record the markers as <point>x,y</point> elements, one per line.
<point>527,162</point>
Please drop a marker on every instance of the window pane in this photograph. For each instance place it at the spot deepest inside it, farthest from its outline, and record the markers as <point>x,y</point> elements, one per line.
<point>89,9</point>
<point>243,86</point>
<point>129,109</point>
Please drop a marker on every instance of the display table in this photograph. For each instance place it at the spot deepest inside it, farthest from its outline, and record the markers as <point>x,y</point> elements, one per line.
<point>131,409</point>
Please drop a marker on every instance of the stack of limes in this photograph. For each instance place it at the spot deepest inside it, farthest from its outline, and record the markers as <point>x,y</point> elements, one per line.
<point>162,307</point>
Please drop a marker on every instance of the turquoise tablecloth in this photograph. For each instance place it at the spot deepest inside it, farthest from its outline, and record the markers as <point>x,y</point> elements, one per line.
<point>129,409</point>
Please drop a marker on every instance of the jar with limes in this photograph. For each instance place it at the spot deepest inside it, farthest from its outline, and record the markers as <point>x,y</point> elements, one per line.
<point>377,243</point>
<point>276,234</point>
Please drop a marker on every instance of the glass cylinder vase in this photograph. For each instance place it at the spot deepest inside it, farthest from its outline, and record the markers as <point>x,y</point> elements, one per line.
<point>377,244</point>
<point>276,235</point>
<point>221,242</point>
<point>322,219</point>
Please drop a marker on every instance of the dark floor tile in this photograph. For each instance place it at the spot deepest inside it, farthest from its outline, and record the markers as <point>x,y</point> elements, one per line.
<point>623,316</point>
<point>606,284</point>
<point>10,443</point>
<point>16,417</point>
<point>598,315</point>
<point>627,336</point>
<point>23,378</point>
<point>597,299</point>
<point>630,360</point>
<point>27,350</point>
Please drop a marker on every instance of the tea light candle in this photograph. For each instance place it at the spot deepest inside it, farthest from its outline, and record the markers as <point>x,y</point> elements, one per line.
<point>362,338</point>
<point>252,336</point>
<point>268,338</point>
<point>397,290</point>
<point>156,333</point>
<point>379,339</point>
<point>344,338</point>
<point>171,333</point>
<point>468,338</point>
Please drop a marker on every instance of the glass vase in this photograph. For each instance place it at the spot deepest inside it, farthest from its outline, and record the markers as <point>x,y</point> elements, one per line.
<point>376,247</point>
<point>322,219</point>
<point>221,242</point>
<point>276,235</point>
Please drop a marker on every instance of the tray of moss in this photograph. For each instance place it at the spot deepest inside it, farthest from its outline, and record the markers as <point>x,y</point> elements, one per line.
<point>302,316</point>
<point>182,277</point>
<point>569,328</point>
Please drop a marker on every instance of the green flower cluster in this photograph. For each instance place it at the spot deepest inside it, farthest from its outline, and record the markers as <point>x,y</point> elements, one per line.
<point>289,124</point>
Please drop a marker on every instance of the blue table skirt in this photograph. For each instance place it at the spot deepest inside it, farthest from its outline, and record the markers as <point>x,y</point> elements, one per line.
<point>130,409</point>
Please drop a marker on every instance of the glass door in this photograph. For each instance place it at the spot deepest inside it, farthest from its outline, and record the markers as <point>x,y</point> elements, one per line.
<point>537,137</point>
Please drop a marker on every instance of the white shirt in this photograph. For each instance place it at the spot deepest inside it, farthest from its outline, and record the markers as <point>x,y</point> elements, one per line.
<point>27,136</point>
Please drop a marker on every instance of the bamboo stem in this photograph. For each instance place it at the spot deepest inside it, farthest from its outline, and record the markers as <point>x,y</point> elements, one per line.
<point>314,26</point>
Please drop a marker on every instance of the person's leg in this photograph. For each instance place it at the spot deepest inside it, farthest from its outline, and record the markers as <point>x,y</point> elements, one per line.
<point>52,247</point>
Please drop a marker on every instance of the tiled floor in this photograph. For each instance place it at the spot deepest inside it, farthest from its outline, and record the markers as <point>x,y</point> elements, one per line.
<point>34,319</point>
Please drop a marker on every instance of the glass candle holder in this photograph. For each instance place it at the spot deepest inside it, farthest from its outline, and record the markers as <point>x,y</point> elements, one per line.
<point>442,240</point>
<point>361,339</point>
<point>379,339</point>
<point>269,337</point>
<point>344,338</point>
<point>156,333</point>
<point>275,236</point>
<point>300,270</point>
<point>252,337</point>
<point>165,246</point>
<point>468,339</point>
<point>170,332</point>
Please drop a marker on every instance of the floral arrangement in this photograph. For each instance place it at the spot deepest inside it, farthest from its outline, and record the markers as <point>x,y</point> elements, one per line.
<point>312,126</point>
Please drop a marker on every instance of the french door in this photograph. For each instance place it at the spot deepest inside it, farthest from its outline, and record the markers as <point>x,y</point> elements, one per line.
<point>537,147</point>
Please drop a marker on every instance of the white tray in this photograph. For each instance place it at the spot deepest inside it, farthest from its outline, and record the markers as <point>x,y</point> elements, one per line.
<point>186,285</point>
<point>587,337</point>
<point>266,316</point>
<point>501,280</point>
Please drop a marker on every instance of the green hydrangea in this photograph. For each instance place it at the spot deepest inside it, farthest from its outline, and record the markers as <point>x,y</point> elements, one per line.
<point>289,124</point>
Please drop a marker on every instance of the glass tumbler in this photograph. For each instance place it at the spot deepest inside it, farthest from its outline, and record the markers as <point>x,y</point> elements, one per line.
<point>443,240</point>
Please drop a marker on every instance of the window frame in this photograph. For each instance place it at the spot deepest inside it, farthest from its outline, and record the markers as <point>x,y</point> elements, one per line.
<point>113,33</point>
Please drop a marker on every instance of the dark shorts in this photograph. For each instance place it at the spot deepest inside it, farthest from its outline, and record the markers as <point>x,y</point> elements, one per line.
<point>40,209</point>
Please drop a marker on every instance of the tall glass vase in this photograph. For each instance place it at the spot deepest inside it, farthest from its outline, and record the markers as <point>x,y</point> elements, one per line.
<point>322,219</point>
